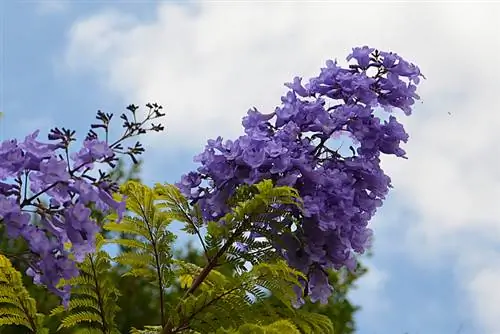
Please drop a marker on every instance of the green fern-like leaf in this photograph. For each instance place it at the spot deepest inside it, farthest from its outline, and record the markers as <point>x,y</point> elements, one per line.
<point>149,248</point>
<point>92,307</point>
<point>87,331</point>
<point>16,305</point>
<point>146,330</point>
<point>277,327</point>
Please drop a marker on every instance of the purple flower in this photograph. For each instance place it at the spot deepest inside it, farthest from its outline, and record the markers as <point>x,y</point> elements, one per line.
<point>297,87</point>
<point>98,149</point>
<point>289,108</point>
<point>52,170</point>
<point>254,154</point>
<point>319,288</point>
<point>232,150</point>
<point>281,164</point>
<point>312,206</point>
<point>87,192</point>
<point>93,150</point>
<point>191,180</point>
<point>362,55</point>
<point>275,149</point>
<point>107,203</point>
<point>256,125</point>
<point>35,148</point>
<point>300,300</point>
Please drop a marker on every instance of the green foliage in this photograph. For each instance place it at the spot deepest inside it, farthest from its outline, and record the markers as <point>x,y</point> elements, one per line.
<point>16,250</point>
<point>212,300</point>
<point>251,207</point>
<point>94,295</point>
<point>225,289</point>
<point>278,327</point>
<point>146,330</point>
<point>138,302</point>
<point>16,305</point>
<point>227,301</point>
<point>149,249</point>
<point>339,310</point>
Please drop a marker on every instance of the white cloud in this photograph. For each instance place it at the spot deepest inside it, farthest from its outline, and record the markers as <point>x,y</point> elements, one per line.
<point>370,294</point>
<point>479,271</point>
<point>208,66</point>
<point>487,297</point>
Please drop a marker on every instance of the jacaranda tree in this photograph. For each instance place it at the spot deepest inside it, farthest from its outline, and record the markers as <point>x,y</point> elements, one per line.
<point>280,205</point>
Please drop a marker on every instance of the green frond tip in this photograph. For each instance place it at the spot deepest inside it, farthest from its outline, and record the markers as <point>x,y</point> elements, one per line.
<point>279,279</point>
<point>266,193</point>
<point>93,302</point>
<point>89,331</point>
<point>278,327</point>
<point>171,198</point>
<point>146,330</point>
<point>308,322</point>
<point>16,305</point>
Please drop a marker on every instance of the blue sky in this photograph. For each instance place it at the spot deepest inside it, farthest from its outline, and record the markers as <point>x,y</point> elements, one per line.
<point>435,263</point>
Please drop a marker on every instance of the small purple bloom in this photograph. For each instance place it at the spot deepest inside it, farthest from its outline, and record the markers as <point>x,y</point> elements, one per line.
<point>319,288</point>
<point>362,55</point>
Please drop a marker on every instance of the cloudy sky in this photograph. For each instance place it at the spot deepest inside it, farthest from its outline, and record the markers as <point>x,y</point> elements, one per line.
<point>436,263</point>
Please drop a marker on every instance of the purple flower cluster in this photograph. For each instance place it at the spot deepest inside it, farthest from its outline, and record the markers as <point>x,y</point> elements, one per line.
<point>67,219</point>
<point>292,146</point>
<point>65,231</point>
